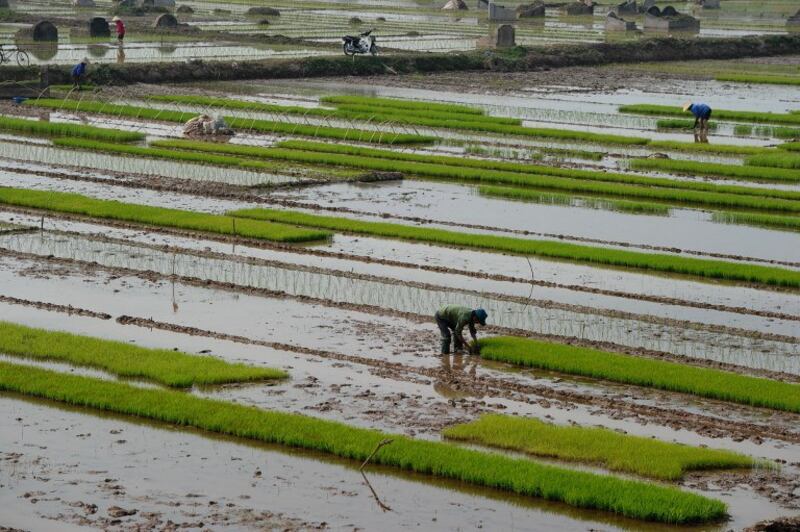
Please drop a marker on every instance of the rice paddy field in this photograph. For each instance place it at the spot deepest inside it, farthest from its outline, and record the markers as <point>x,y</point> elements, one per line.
<point>238,333</point>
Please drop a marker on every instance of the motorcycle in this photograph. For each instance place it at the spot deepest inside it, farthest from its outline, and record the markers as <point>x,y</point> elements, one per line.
<point>361,44</point>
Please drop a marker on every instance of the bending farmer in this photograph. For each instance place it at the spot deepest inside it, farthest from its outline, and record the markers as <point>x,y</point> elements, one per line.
<point>701,113</point>
<point>79,72</point>
<point>454,318</point>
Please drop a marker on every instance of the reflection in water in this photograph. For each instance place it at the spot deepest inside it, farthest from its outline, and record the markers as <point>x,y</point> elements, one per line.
<point>534,316</point>
<point>120,54</point>
<point>457,364</point>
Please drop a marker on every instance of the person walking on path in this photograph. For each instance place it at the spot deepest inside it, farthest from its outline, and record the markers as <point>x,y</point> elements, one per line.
<point>79,73</point>
<point>120,28</point>
<point>701,112</point>
<point>454,318</point>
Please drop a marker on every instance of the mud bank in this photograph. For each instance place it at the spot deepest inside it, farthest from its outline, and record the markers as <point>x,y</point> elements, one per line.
<point>514,60</point>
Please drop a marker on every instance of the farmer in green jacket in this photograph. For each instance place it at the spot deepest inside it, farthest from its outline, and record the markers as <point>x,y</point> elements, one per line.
<point>454,318</point>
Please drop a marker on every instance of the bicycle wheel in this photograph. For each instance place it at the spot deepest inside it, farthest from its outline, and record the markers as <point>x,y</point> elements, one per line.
<point>23,59</point>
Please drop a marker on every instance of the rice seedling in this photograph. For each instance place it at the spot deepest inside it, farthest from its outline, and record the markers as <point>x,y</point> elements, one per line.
<point>790,146</point>
<point>759,220</point>
<point>157,216</point>
<point>557,250</point>
<point>745,173</point>
<point>262,126</point>
<point>650,373</point>
<point>632,207</point>
<point>59,129</point>
<point>607,448</point>
<point>775,160</point>
<point>578,181</point>
<point>403,105</point>
<point>742,116</point>
<point>201,158</point>
<point>679,123</point>
<point>163,366</point>
<point>743,130</point>
<point>757,78</point>
<point>732,149</point>
<point>777,132</point>
<point>634,499</point>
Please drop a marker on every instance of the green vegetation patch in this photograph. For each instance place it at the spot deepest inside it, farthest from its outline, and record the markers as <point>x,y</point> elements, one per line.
<point>758,78</point>
<point>732,149</point>
<point>743,116</point>
<point>634,499</point>
<point>403,105</point>
<point>607,448</point>
<point>680,123</point>
<point>761,220</point>
<point>59,129</point>
<point>158,216</point>
<point>262,126</point>
<point>645,372</point>
<point>632,207</point>
<point>776,160</point>
<point>163,366</point>
<point>714,269</point>
<point>745,173</point>
<point>790,146</point>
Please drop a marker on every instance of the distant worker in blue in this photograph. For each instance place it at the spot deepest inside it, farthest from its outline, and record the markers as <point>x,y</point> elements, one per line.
<point>79,73</point>
<point>454,318</point>
<point>701,112</point>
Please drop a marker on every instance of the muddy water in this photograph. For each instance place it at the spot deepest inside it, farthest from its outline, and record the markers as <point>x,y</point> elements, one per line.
<point>459,204</point>
<point>750,352</point>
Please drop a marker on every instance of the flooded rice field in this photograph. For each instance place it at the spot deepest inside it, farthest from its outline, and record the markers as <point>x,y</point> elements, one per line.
<point>215,332</point>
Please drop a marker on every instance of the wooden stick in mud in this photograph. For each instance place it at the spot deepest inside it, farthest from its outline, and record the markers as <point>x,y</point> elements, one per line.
<point>377,448</point>
<point>382,506</point>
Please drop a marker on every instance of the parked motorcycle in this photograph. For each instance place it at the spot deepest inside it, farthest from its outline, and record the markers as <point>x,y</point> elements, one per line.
<point>361,44</point>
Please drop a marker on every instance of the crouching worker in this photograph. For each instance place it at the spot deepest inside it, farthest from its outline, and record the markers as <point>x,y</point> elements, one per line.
<point>79,73</point>
<point>454,318</point>
<point>701,112</point>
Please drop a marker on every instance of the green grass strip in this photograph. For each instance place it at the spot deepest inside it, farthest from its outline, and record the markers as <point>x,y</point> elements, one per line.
<point>680,123</point>
<point>756,78</point>
<point>158,216</point>
<point>454,163</point>
<point>776,160</point>
<point>432,119</point>
<point>195,157</point>
<point>731,149</point>
<point>261,126</point>
<point>163,366</point>
<point>714,269</point>
<point>790,146</point>
<point>633,207</point>
<point>760,220</point>
<point>630,498</point>
<point>736,197</point>
<point>403,105</point>
<point>710,383</point>
<point>58,129</point>
<point>610,449</point>
<point>744,173</point>
<point>743,116</point>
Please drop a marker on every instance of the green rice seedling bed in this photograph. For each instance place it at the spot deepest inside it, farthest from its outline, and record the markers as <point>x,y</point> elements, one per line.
<point>790,146</point>
<point>703,268</point>
<point>776,160</point>
<point>762,220</point>
<point>649,373</point>
<point>777,132</point>
<point>157,216</point>
<point>745,173</point>
<point>200,158</point>
<point>402,105</point>
<point>262,126</point>
<point>58,129</point>
<point>676,145</point>
<point>679,123</point>
<point>163,366</point>
<point>67,88</point>
<point>630,498</point>
<point>697,193</point>
<point>633,207</point>
<point>433,119</point>
<point>607,448</point>
<point>743,116</point>
<point>756,78</point>
<point>531,169</point>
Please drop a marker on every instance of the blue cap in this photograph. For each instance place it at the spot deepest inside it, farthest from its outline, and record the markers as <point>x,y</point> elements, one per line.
<point>481,315</point>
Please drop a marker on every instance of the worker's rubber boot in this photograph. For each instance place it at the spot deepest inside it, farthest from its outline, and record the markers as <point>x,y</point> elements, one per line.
<point>458,345</point>
<point>445,346</point>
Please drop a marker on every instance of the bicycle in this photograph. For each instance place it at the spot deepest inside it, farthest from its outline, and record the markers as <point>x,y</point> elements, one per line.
<point>8,55</point>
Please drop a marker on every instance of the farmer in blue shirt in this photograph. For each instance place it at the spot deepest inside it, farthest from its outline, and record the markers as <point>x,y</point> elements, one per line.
<point>701,112</point>
<point>79,72</point>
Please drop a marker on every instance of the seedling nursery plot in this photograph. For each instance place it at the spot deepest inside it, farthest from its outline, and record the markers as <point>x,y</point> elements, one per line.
<point>236,263</point>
